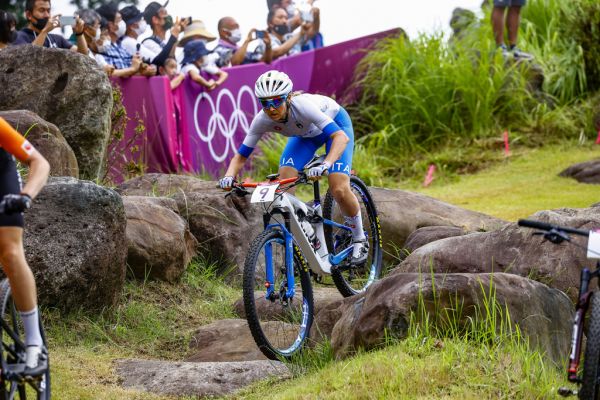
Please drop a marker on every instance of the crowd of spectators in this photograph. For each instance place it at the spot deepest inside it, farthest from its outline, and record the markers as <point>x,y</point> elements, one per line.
<point>128,41</point>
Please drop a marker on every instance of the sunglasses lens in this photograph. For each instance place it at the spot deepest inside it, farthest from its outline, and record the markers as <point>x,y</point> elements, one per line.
<point>275,103</point>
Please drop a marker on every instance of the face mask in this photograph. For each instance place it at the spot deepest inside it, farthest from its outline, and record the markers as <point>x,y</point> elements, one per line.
<point>122,27</point>
<point>141,28</point>
<point>40,24</point>
<point>235,35</point>
<point>104,46</point>
<point>168,22</point>
<point>281,29</point>
<point>97,36</point>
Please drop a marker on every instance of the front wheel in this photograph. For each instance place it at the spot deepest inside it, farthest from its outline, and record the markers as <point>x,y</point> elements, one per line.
<point>349,279</point>
<point>591,363</point>
<point>12,354</point>
<point>279,324</point>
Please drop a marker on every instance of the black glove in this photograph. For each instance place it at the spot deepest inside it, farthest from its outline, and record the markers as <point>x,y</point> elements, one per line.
<point>15,203</point>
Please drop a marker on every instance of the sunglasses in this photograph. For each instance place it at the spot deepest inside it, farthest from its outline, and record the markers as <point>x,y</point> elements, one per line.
<point>275,102</point>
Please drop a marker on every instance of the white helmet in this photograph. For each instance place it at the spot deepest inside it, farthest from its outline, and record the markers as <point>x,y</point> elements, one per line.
<point>273,83</point>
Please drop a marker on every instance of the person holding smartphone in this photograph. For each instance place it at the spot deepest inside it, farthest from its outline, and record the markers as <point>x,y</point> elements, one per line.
<point>231,54</point>
<point>41,22</point>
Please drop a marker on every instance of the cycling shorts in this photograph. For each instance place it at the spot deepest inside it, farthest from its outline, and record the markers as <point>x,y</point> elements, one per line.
<point>509,3</point>
<point>10,182</point>
<point>299,151</point>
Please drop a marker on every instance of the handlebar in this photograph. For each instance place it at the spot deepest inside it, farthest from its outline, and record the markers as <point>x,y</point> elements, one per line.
<point>549,227</point>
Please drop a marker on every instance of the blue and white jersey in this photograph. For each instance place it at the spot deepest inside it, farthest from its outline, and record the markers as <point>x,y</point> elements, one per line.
<point>309,115</point>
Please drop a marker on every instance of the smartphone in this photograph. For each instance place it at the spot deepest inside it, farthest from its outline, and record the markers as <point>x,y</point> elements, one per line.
<point>66,20</point>
<point>259,34</point>
<point>189,20</point>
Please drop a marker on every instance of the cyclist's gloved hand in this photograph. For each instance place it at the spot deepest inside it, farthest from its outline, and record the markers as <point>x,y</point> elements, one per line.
<point>14,203</point>
<point>226,182</point>
<point>319,170</point>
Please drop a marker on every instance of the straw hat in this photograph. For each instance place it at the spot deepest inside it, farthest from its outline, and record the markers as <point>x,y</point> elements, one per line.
<point>196,28</point>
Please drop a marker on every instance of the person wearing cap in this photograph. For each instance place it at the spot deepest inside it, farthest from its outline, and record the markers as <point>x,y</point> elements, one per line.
<point>136,26</point>
<point>41,23</point>
<point>194,54</point>
<point>228,50</point>
<point>97,45</point>
<point>159,20</point>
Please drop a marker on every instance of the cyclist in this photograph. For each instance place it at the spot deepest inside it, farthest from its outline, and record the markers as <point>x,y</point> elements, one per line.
<point>309,120</point>
<point>12,255</point>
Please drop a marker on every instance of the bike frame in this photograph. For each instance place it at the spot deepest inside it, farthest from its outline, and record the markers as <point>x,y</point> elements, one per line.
<point>319,261</point>
<point>578,323</point>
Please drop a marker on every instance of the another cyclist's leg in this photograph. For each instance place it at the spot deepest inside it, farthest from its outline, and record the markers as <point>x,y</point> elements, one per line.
<point>339,185</point>
<point>296,154</point>
<point>20,277</point>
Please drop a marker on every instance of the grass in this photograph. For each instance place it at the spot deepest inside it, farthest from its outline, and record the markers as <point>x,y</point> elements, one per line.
<point>521,184</point>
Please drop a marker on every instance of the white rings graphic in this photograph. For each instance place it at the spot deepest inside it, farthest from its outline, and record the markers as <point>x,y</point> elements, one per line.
<point>225,125</point>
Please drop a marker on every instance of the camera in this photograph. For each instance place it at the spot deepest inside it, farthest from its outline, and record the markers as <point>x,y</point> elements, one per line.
<point>66,20</point>
<point>259,34</point>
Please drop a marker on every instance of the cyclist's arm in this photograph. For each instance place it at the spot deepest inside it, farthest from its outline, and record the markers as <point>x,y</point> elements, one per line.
<point>235,165</point>
<point>15,144</point>
<point>338,145</point>
<point>257,129</point>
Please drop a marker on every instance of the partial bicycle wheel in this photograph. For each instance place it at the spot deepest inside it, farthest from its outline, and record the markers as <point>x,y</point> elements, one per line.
<point>590,389</point>
<point>12,354</point>
<point>350,279</point>
<point>280,325</point>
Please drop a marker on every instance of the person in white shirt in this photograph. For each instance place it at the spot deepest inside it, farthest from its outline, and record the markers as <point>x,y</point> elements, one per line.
<point>194,62</point>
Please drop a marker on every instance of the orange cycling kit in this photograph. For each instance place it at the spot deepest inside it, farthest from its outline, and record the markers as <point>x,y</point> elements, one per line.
<point>11,144</point>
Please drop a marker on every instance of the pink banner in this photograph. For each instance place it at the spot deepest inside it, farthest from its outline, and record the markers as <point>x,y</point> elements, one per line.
<point>193,130</point>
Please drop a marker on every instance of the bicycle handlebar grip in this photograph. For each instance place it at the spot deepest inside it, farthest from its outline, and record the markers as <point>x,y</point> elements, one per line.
<point>535,224</point>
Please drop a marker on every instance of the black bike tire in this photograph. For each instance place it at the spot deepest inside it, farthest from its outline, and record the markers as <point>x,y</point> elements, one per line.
<point>248,294</point>
<point>376,242</point>
<point>591,362</point>
<point>5,301</point>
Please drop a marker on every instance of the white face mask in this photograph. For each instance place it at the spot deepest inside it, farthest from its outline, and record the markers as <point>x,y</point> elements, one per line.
<point>122,28</point>
<point>235,35</point>
<point>97,36</point>
<point>102,47</point>
<point>141,28</point>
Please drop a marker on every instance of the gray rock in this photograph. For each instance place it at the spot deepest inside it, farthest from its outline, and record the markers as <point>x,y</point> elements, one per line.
<point>429,234</point>
<point>513,250</point>
<point>47,139</point>
<point>401,213</point>
<point>224,227</point>
<point>63,88</point>
<point>543,315</point>
<point>160,244</point>
<point>75,244</point>
<point>199,380</point>
<point>585,172</point>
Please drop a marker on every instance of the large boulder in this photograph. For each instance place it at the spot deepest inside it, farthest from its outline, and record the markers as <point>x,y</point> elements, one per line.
<point>159,242</point>
<point>429,234</point>
<point>47,139</point>
<point>585,172</point>
<point>223,226</point>
<point>401,213</point>
<point>513,250</point>
<point>196,380</point>
<point>75,244</point>
<point>543,315</point>
<point>66,89</point>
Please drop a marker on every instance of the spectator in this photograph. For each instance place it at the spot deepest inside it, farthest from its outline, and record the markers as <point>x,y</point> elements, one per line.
<point>8,32</point>
<point>114,54</point>
<point>283,42</point>
<point>169,69</point>
<point>97,44</point>
<point>196,31</point>
<point>160,21</point>
<point>136,26</point>
<point>228,50</point>
<point>41,22</point>
<point>512,26</point>
<point>195,53</point>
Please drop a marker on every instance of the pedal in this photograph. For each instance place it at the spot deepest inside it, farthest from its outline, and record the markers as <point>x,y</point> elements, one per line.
<point>566,392</point>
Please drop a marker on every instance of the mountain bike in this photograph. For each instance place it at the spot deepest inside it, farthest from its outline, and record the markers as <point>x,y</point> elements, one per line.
<point>14,384</point>
<point>301,240</point>
<point>588,376</point>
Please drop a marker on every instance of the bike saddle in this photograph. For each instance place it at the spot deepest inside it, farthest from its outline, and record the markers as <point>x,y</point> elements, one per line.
<point>316,160</point>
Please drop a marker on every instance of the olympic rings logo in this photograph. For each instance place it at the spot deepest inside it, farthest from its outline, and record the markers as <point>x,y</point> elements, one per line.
<point>218,122</point>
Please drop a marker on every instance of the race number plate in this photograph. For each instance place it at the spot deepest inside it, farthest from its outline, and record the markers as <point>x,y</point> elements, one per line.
<point>264,193</point>
<point>593,248</point>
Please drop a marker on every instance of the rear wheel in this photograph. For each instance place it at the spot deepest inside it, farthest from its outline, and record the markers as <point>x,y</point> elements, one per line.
<point>12,354</point>
<point>279,324</point>
<point>591,363</point>
<point>349,279</point>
